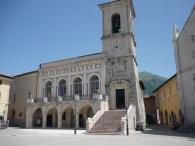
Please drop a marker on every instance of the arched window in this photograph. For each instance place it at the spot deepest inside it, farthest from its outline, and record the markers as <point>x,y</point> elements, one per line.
<point>77,86</point>
<point>94,84</point>
<point>62,88</point>
<point>116,23</point>
<point>48,88</point>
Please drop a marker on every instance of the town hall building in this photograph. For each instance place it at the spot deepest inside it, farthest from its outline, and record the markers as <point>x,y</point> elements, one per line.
<point>78,92</point>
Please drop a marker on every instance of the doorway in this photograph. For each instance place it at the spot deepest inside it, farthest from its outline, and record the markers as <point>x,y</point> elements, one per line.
<point>81,121</point>
<point>49,120</point>
<point>120,98</point>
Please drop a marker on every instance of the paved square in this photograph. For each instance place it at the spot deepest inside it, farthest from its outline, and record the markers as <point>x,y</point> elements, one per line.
<point>39,137</point>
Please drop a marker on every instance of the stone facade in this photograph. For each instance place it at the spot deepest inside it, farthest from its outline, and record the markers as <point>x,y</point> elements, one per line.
<point>5,82</point>
<point>184,44</point>
<point>150,109</point>
<point>22,88</point>
<point>119,49</point>
<point>106,80</point>
<point>168,103</point>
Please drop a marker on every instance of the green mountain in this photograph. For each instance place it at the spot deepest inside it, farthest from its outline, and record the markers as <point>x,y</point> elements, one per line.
<point>151,81</point>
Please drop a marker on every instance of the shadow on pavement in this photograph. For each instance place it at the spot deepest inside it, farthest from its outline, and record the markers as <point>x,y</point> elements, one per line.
<point>160,130</point>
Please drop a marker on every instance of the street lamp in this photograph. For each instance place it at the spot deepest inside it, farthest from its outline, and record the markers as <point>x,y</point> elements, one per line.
<point>127,126</point>
<point>76,99</point>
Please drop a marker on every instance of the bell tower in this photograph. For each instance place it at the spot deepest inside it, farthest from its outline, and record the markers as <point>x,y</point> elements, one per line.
<point>118,35</point>
<point>122,81</point>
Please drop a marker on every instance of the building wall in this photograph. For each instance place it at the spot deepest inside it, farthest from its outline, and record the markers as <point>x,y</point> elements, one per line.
<point>150,108</point>
<point>184,43</point>
<point>21,87</point>
<point>83,67</point>
<point>4,97</point>
<point>168,101</point>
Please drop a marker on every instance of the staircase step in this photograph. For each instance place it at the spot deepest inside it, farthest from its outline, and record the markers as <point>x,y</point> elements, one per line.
<point>109,122</point>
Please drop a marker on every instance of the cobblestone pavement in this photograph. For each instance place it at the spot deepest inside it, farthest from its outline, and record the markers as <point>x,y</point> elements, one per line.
<point>38,137</point>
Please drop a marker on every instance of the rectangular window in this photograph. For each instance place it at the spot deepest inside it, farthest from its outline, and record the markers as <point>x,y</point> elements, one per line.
<point>29,95</point>
<point>193,54</point>
<point>14,99</point>
<point>194,78</point>
<point>0,82</point>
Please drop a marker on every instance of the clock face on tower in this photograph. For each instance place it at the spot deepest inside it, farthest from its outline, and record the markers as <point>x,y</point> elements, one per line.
<point>116,45</point>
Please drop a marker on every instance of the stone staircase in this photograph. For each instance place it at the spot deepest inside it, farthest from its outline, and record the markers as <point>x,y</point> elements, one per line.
<point>188,128</point>
<point>108,123</point>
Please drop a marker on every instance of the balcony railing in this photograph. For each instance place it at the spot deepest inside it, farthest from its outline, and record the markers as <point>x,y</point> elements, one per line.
<point>52,99</point>
<point>66,98</point>
<point>38,100</point>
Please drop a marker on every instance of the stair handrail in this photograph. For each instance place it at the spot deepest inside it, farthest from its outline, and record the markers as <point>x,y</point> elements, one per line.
<point>129,120</point>
<point>91,121</point>
<point>103,107</point>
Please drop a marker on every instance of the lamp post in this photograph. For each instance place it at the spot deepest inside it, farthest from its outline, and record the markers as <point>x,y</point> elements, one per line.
<point>76,99</point>
<point>127,126</point>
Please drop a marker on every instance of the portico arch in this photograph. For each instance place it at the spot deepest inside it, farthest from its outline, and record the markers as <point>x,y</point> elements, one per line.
<point>68,117</point>
<point>52,118</point>
<point>85,113</point>
<point>38,118</point>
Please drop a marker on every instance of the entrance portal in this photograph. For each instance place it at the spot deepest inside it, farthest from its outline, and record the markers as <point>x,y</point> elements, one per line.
<point>120,98</point>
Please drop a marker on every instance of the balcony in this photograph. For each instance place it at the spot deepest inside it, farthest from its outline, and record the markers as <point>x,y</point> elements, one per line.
<point>65,99</point>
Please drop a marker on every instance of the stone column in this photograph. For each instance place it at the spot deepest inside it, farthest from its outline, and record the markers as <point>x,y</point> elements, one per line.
<point>77,119</point>
<point>54,87</point>
<point>85,84</point>
<point>44,120</point>
<point>103,79</point>
<point>59,120</point>
<point>29,118</point>
<point>69,86</point>
<point>76,114</point>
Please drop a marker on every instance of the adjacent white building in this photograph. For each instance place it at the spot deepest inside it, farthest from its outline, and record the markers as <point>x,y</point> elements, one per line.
<point>184,44</point>
<point>5,82</point>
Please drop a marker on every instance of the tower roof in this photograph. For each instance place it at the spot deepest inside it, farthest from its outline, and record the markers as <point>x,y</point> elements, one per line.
<point>115,1</point>
<point>187,21</point>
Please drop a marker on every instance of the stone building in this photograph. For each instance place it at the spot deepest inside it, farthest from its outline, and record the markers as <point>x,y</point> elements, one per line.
<point>184,47</point>
<point>103,81</point>
<point>168,103</point>
<point>23,87</point>
<point>150,109</point>
<point>4,96</point>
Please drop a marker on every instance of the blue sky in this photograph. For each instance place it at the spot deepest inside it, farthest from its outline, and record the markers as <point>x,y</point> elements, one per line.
<point>38,31</point>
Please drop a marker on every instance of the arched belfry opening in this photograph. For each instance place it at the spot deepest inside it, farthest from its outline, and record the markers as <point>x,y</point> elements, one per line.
<point>116,23</point>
